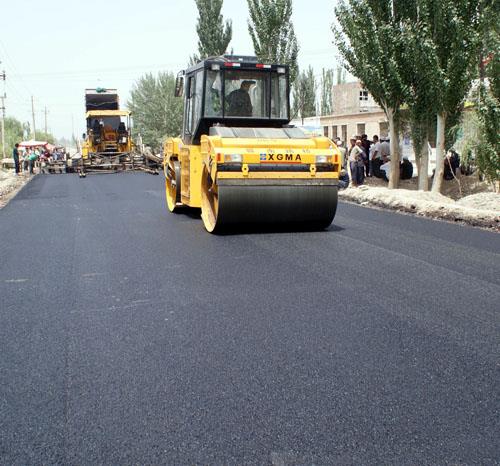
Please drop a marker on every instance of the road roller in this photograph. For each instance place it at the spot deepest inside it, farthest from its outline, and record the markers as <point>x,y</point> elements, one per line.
<point>238,159</point>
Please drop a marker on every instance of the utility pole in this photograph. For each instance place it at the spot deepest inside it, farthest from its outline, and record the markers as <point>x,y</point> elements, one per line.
<point>46,132</point>
<point>33,117</point>
<point>2,110</point>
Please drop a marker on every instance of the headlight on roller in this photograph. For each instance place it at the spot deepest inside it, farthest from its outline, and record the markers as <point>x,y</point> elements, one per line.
<point>233,158</point>
<point>323,159</point>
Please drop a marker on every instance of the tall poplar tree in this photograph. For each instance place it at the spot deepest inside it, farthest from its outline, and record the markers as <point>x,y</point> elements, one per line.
<point>304,95</point>
<point>453,27</point>
<point>368,36</point>
<point>417,69</point>
<point>214,35</point>
<point>273,36</point>
<point>326,92</point>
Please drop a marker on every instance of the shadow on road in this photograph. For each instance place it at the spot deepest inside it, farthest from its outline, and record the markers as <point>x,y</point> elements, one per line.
<point>256,229</point>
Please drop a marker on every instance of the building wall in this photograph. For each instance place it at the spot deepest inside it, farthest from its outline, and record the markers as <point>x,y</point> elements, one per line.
<point>352,98</point>
<point>355,113</point>
<point>347,126</point>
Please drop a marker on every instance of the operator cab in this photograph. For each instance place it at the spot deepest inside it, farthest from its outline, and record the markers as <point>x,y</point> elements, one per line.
<point>108,125</point>
<point>233,91</point>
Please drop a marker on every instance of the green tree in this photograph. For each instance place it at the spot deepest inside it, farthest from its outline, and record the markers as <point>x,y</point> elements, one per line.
<point>453,26</point>
<point>273,36</point>
<point>214,35</point>
<point>42,136</point>
<point>156,111</point>
<point>418,72</point>
<point>368,36</point>
<point>326,105</point>
<point>304,95</point>
<point>485,143</point>
<point>487,148</point>
<point>13,134</point>
<point>341,75</point>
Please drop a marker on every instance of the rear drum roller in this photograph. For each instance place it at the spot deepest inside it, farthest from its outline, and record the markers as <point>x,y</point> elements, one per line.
<point>173,185</point>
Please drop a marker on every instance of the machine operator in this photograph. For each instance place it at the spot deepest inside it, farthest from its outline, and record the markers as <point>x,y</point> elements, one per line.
<point>239,100</point>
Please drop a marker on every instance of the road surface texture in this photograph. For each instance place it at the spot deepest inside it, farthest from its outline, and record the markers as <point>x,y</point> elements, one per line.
<point>131,336</point>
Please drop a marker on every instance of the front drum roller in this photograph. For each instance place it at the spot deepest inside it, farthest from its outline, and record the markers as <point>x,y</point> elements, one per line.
<point>303,203</point>
<point>173,185</point>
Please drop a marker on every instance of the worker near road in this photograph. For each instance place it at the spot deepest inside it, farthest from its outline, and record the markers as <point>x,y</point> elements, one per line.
<point>15,156</point>
<point>239,100</point>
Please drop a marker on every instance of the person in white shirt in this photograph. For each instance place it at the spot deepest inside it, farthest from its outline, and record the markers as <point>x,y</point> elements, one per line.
<point>385,169</point>
<point>383,152</point>
<point>385,149</point>
<point>357,163</point>
<point>343,151</point>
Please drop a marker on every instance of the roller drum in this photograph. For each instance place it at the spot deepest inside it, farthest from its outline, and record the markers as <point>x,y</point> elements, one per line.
<point>312,204</point>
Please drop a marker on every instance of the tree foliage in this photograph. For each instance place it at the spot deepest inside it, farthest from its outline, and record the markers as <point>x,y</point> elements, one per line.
<point>485,144</point>
<point>43,136</point>
<point>453,27</point>
<point>214,35</point>
<point>368,36</point>
<point>418,53</point>
<point>341,75</point>
<point>156,111</point>
<point>487,148</point>
<point>13,134</point>
<point>16,132</point>
<point>326,104</point>
<point>417,69</point>
<point>273,36</point>
<point>304,94</point>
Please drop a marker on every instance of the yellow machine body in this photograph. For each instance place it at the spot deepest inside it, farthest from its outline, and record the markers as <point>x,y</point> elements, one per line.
<point>238,159</point>
<point>106,139</point>
<point>197,163</point>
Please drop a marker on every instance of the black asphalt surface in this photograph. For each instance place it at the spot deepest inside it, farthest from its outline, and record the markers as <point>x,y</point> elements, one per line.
<point>129,335</point>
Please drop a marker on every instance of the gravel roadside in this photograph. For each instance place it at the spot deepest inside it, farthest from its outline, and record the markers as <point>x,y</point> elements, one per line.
<point>481,209</point>
<point>10,185</point>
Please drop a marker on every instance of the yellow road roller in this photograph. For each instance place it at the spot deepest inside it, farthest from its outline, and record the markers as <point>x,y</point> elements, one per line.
<point>238,159</point>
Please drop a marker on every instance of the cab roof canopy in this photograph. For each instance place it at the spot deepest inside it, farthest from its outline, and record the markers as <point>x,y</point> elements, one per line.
<point>234,61</point>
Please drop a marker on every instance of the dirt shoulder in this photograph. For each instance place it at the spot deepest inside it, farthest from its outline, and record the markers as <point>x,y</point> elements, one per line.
<point>10,185</point>
<point>480,209</point>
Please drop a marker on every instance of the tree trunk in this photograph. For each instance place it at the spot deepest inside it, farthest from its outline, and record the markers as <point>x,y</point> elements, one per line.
<point>394,135</point>
<point>423,166</point>
<point>438,174</point>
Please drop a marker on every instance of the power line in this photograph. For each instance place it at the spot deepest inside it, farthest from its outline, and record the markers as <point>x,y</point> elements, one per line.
<point>14,68</point>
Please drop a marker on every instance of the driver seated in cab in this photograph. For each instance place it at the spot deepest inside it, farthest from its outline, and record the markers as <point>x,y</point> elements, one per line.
<point>239,100</point>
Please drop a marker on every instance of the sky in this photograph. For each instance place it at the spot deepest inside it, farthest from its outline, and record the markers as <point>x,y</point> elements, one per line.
<point>54,50</point>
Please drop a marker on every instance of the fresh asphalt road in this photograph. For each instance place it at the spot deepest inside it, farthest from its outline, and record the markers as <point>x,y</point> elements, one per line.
<point>129,335</point>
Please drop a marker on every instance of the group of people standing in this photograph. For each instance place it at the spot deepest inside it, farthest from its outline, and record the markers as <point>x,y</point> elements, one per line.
<point>25,158</point>
<point>25,161</point>
<point>370,159</point>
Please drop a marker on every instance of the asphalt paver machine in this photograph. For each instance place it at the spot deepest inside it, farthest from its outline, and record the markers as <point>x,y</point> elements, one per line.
<point>238,159</point>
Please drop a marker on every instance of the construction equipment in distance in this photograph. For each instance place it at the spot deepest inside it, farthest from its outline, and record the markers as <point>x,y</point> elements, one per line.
<point>108,144</point>
<point>238,159</point>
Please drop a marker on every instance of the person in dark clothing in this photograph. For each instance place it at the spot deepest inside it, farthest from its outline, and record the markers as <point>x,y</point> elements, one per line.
<point>15,156</point>
<point>451,164</point>
<point>344,179</point>
<point>239,100</point>
<point>405,170</point>
<point>366,143</point>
